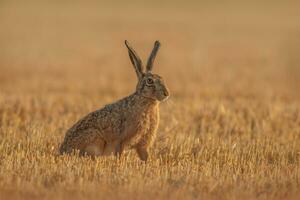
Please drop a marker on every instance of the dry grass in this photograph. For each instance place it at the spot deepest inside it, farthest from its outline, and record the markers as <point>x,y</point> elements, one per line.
<point>231,129</point>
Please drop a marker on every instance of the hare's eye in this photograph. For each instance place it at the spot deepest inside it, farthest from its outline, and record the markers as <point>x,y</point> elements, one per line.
<point>149,81</point>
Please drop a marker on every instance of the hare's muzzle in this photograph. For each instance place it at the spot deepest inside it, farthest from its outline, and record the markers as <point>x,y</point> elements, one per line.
<point>165,94</point>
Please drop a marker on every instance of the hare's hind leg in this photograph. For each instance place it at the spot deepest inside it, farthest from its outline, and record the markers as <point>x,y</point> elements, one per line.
<point>88,142</point>
<point>113,148</point>
<point>96,148</point>
<point>119,149</point>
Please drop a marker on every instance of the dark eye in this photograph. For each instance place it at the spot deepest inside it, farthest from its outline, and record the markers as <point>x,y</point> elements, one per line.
<point>149,81</point>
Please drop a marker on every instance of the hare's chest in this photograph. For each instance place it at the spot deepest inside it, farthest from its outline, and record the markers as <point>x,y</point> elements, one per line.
<point>140,125</point>
<point>148,122</point>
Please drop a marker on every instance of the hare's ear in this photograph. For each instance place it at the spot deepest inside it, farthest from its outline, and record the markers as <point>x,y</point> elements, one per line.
<point>152,56</point>
<point>135,60</point>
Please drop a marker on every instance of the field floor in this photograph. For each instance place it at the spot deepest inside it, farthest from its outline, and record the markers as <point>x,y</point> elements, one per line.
<point>230,130</point>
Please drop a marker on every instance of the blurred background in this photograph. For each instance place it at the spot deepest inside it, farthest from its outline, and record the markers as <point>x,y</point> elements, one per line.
<point>210,49</point>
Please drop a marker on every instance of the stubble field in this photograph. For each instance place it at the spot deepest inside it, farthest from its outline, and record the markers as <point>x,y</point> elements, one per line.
<point>230,130</point>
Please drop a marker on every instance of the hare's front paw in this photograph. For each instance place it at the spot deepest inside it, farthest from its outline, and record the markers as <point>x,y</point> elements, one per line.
<point>142,153</point>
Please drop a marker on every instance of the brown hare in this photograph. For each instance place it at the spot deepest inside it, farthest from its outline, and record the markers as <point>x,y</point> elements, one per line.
<point>129,122</point>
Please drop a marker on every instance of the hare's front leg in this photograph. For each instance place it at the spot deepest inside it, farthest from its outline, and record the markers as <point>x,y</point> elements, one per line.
<point>142,152</point>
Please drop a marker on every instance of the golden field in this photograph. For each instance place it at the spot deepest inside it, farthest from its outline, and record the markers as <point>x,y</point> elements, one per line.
<point>230,130</point>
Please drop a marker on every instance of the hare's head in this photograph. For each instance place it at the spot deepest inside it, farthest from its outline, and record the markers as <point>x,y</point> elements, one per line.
<point>149,85</point>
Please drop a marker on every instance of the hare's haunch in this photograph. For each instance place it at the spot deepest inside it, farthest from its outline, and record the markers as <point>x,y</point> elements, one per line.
<point>131,121</point>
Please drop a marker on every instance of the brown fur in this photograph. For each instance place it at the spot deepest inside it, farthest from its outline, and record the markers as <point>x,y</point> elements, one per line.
<point>129,122</point>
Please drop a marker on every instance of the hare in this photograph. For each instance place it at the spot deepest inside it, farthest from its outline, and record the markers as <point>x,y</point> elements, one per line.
<point>129,122</point>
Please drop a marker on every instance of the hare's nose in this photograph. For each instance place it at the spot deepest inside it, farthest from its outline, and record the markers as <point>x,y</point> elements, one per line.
<point>166,93</point>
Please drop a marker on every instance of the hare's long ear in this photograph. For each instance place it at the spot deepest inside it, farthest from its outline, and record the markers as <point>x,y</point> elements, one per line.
<point>152,56</point>
<point>135,60</point>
